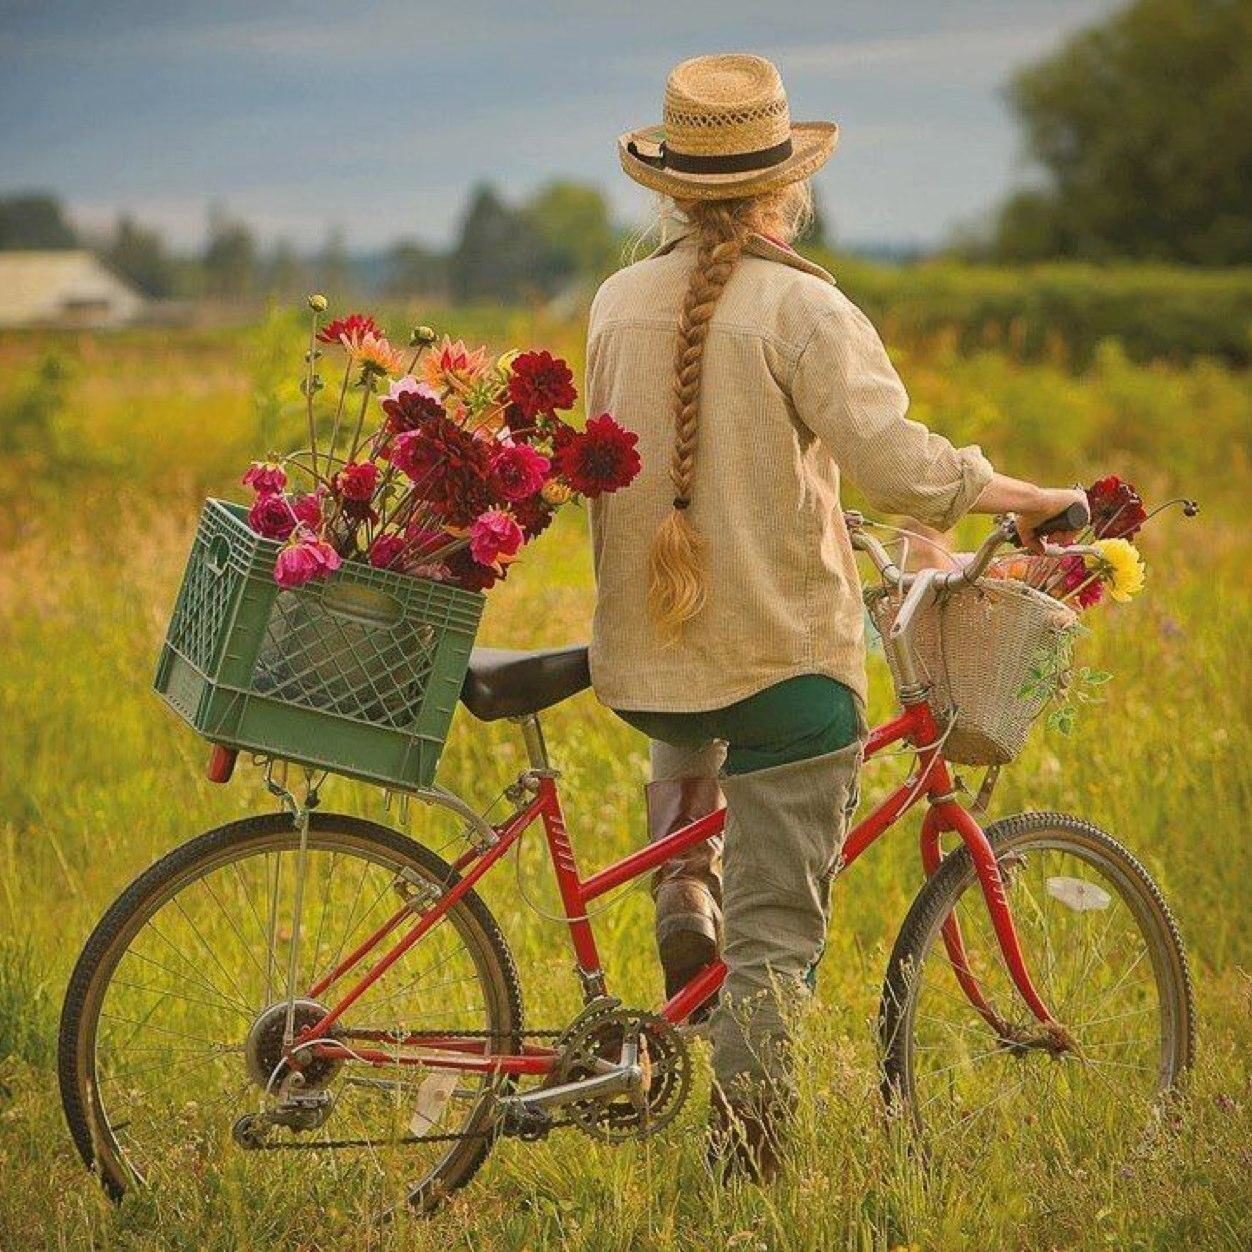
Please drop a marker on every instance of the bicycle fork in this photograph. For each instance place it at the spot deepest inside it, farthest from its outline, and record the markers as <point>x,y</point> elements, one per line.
<point>944,815</point>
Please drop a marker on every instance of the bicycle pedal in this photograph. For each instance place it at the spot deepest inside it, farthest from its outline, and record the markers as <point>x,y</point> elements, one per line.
<point>520,1121</point>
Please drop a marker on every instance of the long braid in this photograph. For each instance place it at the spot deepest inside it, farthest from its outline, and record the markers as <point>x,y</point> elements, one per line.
<point>677,582</point>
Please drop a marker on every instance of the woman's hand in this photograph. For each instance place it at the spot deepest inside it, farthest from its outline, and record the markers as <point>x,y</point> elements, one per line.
<point>1032,505</point>
<point>1055,500</point>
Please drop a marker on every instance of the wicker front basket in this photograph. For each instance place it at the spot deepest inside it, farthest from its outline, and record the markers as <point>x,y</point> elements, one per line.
<point>977,648</point>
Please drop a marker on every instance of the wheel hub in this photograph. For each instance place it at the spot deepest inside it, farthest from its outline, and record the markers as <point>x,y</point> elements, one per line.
<point>263,1049</point>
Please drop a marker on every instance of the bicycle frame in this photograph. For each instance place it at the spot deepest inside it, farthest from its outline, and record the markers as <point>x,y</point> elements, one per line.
<point>931,781</point>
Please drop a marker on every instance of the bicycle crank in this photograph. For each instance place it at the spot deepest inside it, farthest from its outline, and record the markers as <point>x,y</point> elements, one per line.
<point>622,1074</point>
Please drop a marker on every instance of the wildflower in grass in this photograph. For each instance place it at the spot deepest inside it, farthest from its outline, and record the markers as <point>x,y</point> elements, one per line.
<point>518,471</point>
<point>1120,565</point>
<point>357,481</point>
<point>271,515</point>
<point>495,538</point>
<point>349,331</point>
<point>452,366</point>
<point>265,477</point>
<point>304,558</point>
<point>1117,510</point>
<point>541,383</point>
<point>386,550</point>
<point>600,459</point>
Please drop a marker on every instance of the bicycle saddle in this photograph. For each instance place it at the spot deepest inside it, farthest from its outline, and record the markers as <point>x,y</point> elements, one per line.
<point>500,683</point>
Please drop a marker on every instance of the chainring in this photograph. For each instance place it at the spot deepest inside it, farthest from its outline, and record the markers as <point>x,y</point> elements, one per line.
<point>599,1037</point>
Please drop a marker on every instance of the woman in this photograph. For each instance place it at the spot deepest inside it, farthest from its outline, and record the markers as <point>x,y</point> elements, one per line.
<point>728,622</point>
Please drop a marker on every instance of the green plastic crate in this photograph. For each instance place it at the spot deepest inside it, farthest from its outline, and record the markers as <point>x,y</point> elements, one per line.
<point>358,673</point>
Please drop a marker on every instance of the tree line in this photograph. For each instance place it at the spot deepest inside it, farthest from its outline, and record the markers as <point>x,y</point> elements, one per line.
<point>505,252</point>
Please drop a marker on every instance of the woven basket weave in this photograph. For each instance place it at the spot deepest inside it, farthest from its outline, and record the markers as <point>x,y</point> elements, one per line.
<point>977,648</point>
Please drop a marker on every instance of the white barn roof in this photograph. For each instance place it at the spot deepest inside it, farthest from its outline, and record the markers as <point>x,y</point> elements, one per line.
<point>63,288</point>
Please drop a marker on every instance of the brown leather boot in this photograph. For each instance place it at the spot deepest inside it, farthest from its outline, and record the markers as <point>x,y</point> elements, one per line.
<point>746,1137</point>
<point>688,888</point>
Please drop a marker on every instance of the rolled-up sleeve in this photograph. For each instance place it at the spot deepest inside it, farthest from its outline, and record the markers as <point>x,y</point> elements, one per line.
<point>846,391</point>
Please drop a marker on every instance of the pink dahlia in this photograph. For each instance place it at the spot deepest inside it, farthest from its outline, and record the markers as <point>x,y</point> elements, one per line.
<point>495,537</point>
<point>518,471</point>
<point>265,477</point>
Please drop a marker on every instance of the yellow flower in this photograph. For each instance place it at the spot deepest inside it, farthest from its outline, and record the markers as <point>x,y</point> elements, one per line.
<point>376,355</point>
<point>1120,565</point>
<point>555,493</point>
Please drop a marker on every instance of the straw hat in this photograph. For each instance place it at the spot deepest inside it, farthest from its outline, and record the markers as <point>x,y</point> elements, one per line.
<point>727,132</point>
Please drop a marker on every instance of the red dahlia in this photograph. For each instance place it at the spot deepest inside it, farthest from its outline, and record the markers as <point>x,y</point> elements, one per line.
<point>533,516</point>
<point>465,572</point>
<point>410,410</point>
<point>357,481</point>
<point>1117,510</point>
<point>600,459</point>
<point>540,383</point>
<point>355,326</point>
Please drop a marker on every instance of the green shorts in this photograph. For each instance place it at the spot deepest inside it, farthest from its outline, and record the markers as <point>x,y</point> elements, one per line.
<point>793,720</point>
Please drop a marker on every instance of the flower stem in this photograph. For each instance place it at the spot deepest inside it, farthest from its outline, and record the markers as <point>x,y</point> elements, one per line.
<point>367,389</point>
<point>334,430</point>
<point>309,393</point>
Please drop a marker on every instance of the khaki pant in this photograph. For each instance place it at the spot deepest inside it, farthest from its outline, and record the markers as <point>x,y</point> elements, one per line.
<point>785,828</point>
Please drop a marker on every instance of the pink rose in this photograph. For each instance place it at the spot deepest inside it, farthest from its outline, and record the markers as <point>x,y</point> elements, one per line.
<point>306,557</point>
<point>308,509</point>
<point>386,550</point>
<point>357,482</point>
<point>271,515</point>
<point>266,478</point>
<point>494,536</point>
<point>518,471</point>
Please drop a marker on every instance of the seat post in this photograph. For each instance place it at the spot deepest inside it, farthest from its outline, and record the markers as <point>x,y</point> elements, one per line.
<point>532,733</point>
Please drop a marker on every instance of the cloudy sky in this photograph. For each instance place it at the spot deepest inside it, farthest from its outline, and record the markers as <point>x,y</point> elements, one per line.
<point>376,117</point>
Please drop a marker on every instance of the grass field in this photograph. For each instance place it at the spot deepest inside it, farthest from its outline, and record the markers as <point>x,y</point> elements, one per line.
<point>107,444</point>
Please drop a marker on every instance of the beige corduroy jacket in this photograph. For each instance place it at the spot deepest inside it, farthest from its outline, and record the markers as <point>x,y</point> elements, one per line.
<point>797,390</point>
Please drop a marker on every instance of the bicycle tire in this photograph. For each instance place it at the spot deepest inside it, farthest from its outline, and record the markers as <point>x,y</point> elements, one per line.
<point>956,875</point>
<point>159,884</point>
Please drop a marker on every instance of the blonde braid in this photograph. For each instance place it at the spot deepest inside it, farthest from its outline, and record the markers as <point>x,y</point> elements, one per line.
<point>677,587</point>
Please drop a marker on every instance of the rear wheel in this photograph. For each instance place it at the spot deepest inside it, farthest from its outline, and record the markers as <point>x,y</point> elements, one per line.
<point>1105,955</point>
<point>172,1031</point>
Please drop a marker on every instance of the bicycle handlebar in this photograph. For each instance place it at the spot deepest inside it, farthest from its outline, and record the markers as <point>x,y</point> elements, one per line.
<point>1005,531</point>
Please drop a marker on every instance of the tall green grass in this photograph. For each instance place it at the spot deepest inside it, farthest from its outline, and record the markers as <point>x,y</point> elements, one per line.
<point>96,780</point>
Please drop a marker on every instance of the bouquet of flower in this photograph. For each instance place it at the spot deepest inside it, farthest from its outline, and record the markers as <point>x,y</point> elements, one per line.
<point>444,465</point>
<point>1111,561</point>
<point>1108,560</point>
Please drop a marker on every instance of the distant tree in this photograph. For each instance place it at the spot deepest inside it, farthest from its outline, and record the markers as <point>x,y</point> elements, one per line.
<point>139,255</point>
<point>285,274</point>
<point>499,253</point>
<point>1142,124</point>
<point>572,220</point>
<point>412,270</point>
<point>34,220</point>
<point>332,270</point>
<point>229,260</point>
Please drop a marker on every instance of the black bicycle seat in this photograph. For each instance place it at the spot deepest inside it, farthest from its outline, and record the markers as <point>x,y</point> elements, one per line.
<point>501,683</point>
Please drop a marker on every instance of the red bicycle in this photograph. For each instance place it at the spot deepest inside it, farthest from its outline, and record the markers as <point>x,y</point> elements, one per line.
<point>313,983</point>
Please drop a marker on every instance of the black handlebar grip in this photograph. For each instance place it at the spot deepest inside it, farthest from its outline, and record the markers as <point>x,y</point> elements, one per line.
<point>1073,518</point>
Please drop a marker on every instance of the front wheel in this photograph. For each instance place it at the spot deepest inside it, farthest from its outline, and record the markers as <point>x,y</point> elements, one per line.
<point>1104,953</point>
<point>172,1032</point>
